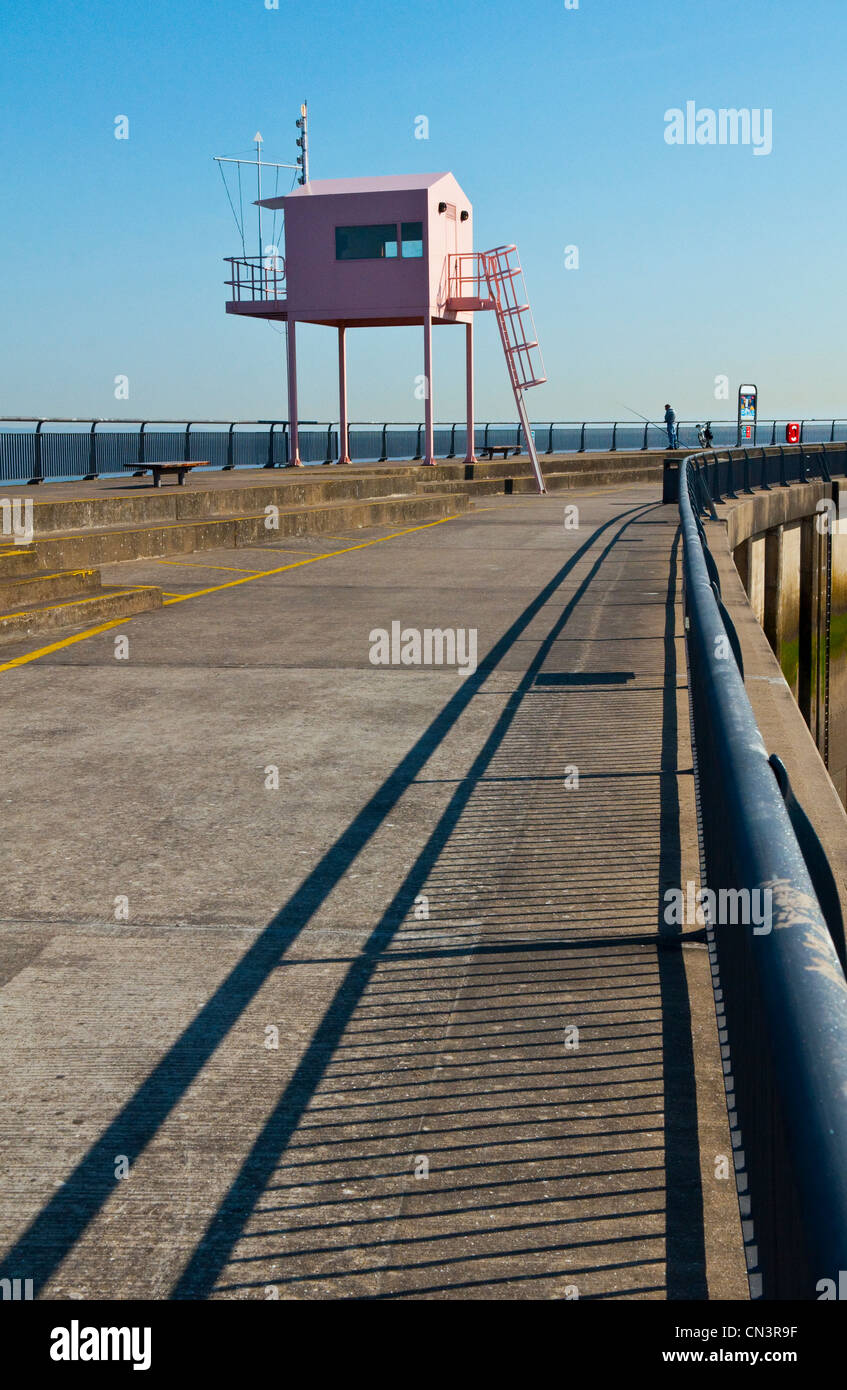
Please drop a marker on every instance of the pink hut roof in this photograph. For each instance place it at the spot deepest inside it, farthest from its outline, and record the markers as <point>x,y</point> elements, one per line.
<point>388,183</point>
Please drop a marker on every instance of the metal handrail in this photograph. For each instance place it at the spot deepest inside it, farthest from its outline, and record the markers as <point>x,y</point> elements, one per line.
<point>634,425</point>
<point>21,461</point>
<point>257,277</point>
<point>784,992</point>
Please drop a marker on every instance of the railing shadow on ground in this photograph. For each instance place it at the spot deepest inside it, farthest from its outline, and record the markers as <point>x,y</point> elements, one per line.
<point>658,1136</point>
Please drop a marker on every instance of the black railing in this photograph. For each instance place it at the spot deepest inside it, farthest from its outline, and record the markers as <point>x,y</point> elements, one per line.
<point>781,993</point>
<point>37,451</point>
<point>256,277</point>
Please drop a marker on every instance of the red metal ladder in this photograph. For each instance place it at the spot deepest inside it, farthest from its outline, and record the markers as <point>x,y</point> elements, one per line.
<point>499,272</point>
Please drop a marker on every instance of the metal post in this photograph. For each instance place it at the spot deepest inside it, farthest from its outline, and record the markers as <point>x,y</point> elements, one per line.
<point>343,425</point>
<point>530,442</point>
<point>582,439</point>
<point>383,455</point>
<point>646,428</point>
<point>418,444</point>
<point>186,448</point>
<point>470,442</point>
<point>429,448</point>
<point>229,448</point>
<point>303,143</point>
<point>92,454</point>
<point>294,460</point>
<point>270,462</point>
<point>141,441</point>
<point>715,487</point>
<point>37,474</point>
<point>614,448</point>
<point>451,454</point>
<point>258,140</point>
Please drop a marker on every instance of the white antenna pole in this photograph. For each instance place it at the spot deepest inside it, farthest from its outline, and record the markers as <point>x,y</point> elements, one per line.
<point>258,139</point>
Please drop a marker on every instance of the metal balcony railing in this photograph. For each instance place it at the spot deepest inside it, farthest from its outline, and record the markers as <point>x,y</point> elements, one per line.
<point>255,278</point>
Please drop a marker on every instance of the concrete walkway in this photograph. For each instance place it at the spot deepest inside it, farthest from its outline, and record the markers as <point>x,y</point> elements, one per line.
<point>317,1042</point>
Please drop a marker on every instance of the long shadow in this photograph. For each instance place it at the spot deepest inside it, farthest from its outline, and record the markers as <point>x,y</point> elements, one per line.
<point>685,1250</point>
<point>62,1220</point>
<point>214,1249</point>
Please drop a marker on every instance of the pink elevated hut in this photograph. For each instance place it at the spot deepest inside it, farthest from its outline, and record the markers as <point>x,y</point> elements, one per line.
<point>374,252</point>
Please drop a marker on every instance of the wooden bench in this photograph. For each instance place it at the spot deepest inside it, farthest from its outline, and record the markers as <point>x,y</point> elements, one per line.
<point>489,450</point>
<point>157,469</point>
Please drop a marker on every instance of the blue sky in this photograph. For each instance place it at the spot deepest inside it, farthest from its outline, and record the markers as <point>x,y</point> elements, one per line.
<point>695,261</point>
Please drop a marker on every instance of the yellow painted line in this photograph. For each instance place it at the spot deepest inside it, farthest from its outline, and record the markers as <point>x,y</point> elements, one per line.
<point>348,535</point>
<point>287,549</point>
<point>195,564</point>
<point>203,521</point>
<point>131,492</point>
<point>313,559</point>
<point>548,497</point>
<point>76,602</point>
<point>153,526</point>
<point>179,598</point>
<point>36,578</point>
<point>65,642</point>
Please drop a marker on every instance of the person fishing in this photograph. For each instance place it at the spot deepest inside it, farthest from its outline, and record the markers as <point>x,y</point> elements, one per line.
<point>670,422</point>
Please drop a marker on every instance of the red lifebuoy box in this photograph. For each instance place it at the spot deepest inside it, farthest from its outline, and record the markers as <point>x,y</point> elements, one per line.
<point>792,432</point>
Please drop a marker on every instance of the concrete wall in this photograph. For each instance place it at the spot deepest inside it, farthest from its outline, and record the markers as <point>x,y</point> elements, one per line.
<point>783,728</point>
<point>785,564</point>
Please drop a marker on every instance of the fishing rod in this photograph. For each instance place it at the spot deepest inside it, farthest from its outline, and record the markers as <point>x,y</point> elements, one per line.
<point>704,438</point>
<point>642,417</point>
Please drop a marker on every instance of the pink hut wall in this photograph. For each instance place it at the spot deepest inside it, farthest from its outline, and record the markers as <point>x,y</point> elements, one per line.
<point>321,289</point>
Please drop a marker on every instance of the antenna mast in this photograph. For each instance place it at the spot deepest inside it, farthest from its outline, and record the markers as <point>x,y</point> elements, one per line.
<point>303,144</point>
<point>258,139</point>
<point>302,167</point>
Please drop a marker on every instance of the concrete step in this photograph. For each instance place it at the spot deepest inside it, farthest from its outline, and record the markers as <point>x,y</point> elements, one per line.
<point>616,473</point>
<point>289,488</point>
<point>518,466</point>
<point>104,606</point>
<point>467,487</point>
<point>45,586</point>
<point>110,544</point>
<point>17,559</point>
<point>105,503</point>
<point>614,476</point>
